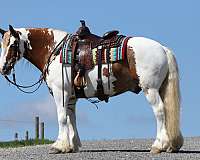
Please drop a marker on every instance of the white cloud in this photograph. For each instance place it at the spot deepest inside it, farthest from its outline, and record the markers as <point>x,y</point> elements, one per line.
<point>44,108</point>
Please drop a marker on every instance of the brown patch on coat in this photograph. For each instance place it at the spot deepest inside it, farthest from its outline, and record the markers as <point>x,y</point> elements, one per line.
<point>125,73</point>
<point>42,43</point>
<point>131,62</point>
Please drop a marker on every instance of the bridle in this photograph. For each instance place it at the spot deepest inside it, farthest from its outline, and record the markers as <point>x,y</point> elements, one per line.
<point>15,57</point>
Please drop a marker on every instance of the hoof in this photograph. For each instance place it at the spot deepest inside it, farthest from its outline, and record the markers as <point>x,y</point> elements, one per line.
<point>58,151</point>
<point>171,150</point>
<point>155,150</point>
<point>55,151</point>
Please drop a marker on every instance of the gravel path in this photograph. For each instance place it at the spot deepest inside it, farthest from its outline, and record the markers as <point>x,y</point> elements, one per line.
<point>108,150</point>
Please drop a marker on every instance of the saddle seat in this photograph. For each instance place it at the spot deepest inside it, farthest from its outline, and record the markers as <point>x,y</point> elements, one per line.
<point>110,34</point>
<point>106,36</point>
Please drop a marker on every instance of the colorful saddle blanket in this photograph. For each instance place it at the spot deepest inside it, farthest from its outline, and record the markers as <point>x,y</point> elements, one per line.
<point>116,54</point>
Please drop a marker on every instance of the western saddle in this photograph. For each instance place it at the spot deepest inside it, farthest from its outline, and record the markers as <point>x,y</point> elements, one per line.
<point>83,42</point>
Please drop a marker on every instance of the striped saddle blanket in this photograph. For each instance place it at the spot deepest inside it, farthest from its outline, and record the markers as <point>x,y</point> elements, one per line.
<point>91,59</point>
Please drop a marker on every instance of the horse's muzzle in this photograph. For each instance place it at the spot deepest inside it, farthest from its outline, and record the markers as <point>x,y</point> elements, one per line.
<point>5,70</point>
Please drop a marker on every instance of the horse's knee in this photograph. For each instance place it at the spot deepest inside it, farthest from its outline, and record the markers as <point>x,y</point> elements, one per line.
<point>62,118</point>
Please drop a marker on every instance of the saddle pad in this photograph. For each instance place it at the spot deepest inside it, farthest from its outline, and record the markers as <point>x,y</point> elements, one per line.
<point>116,54</point>
<point>66,52</point>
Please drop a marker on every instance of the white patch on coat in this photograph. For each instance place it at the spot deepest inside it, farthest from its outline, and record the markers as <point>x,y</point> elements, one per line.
<point>24,38</point>
<point>50,31</point>
<point>58,36</point>
<point>2,57</point>
<point>91,78</point>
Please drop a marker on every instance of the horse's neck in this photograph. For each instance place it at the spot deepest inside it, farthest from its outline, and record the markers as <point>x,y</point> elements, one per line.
<point>43,41</point>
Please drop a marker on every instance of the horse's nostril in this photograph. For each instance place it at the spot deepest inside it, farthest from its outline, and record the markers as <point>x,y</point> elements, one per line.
<point>4,68</point>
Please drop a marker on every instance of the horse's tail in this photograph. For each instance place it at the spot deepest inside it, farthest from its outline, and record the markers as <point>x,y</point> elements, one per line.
<point>170,94</point>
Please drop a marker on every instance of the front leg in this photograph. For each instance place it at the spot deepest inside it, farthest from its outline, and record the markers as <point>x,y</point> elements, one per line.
<point>73,136</point>
<point>68,139</point>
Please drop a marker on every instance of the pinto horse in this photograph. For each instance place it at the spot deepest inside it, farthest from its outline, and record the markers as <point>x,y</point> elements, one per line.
<point>154,65</point>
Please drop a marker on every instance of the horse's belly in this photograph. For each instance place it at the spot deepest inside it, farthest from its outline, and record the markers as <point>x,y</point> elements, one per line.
<point>119,81</point>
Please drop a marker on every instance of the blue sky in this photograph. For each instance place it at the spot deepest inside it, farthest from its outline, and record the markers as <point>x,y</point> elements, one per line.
<point>174,24</point>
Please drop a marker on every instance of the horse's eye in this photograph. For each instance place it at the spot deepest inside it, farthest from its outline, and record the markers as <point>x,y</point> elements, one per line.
<point>16,42</point>
<point>12,45</point>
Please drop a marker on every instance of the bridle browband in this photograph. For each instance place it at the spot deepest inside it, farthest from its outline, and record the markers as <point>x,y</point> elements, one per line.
<point>43,74</point>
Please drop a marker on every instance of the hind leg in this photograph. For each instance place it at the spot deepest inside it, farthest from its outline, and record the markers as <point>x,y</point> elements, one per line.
<point>162,141</point>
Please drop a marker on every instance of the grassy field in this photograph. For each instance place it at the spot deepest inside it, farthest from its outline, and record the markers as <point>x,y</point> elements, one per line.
<point>22,143</point>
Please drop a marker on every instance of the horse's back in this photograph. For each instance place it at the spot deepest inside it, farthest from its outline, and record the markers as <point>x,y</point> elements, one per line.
<point>147,49</point>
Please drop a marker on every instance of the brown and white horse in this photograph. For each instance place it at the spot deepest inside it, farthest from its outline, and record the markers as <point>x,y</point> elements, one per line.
<point>153,64</point>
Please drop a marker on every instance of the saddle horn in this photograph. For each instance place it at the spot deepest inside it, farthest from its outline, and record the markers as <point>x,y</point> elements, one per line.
<point>83,30</point>
<point>82,23</point>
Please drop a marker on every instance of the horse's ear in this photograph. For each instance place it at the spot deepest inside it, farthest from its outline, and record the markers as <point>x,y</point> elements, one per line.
<point>2,32</point>
<point>13,32</point>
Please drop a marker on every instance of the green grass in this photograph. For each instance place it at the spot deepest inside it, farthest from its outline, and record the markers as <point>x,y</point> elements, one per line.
<point>22,143</point>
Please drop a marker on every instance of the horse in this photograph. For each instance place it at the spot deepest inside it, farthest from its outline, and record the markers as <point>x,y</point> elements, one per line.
<point>153,64</point>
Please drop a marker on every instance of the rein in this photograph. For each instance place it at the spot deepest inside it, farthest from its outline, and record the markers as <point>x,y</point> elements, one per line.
<point>42,76</point>
<point>21,88</point>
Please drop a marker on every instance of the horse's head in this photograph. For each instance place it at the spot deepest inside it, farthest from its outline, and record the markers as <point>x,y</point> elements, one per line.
<point>14,44</point>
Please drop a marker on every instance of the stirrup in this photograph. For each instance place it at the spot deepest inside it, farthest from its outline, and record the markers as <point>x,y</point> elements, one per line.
<point>79,81</point>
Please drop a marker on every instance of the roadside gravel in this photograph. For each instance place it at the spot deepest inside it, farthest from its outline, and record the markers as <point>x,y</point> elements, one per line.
<point>108,150</point>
